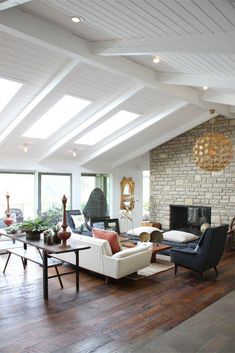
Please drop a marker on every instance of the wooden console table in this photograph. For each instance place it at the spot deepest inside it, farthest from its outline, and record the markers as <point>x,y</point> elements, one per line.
<point>48,250</point>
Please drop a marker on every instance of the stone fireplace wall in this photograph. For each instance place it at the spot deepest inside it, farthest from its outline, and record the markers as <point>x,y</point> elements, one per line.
<point>176,180</point>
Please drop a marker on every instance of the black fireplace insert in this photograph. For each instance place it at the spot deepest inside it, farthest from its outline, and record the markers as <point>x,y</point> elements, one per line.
<point>189,218</point>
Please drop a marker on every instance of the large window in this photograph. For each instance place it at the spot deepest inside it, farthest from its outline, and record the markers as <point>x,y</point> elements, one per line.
<point>89,182</point>
<point>52,187</point>
<point>20,187</point>
<point>146,194</point>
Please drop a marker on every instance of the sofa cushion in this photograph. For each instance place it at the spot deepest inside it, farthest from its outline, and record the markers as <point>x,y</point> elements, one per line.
<point>129,251</point>
<point>139,230</point>
<point>111,236</point>
<point>178,236</point>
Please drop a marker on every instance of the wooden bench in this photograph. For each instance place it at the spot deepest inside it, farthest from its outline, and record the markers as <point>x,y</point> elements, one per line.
<point>36,257</point>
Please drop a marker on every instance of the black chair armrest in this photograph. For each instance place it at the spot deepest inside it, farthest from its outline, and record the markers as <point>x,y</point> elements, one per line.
<point>184,251</point>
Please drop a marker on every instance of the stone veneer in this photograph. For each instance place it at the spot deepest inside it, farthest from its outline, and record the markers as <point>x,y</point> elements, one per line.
<point>175,178</point>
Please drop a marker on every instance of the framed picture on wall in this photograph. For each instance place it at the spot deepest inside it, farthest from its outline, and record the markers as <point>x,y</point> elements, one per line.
<point>112,224</point>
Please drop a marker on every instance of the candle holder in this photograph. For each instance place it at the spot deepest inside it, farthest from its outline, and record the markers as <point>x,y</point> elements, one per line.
<point>8,220</point>
<point>63,234</point>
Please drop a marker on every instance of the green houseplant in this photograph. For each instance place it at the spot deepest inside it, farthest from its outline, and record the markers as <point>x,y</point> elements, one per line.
<point>34,227</point>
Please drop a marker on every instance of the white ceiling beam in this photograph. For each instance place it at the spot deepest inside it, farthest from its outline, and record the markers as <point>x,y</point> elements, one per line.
<point>196,80</point>
<point>90,120</point>
<point>218,43</point>
<point>167,137</point>
<point>53,37</point>
<point>148,121</point>
<point>40,96</point>
<point>11,3</point>
<point>219,97</point>
<point>232,110</point>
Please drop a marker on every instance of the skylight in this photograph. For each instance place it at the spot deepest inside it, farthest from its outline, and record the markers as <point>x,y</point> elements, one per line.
<point>58,115</point>
<point>108,127</point>
<point>8,89</point>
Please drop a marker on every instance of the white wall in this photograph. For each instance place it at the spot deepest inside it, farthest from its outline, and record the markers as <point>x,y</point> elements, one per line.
<point>132,169</point>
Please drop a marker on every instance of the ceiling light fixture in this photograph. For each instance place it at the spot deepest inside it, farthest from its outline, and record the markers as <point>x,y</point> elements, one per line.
<point>213,151</point>
<point>25,147</point>
<point>77,19</point>
<point>156,60</point>
<point>74,152</point>
<point>205,88</point>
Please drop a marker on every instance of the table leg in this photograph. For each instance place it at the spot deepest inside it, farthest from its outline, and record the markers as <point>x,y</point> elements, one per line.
<point>25,260</point>
<point>45,275</point>
<point>153,258</point>
<point>77,269</point>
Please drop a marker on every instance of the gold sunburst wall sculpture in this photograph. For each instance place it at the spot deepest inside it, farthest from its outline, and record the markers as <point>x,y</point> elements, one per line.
<point>213,151</point>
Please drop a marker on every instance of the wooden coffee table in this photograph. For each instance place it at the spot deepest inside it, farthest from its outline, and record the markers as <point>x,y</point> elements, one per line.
<point>127,243</point>
<point>157,248</point>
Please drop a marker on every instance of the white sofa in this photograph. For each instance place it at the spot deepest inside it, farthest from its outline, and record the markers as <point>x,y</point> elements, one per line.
<point>99,257</point>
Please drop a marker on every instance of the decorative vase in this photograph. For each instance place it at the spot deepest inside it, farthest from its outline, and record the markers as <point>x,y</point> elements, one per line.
<point>56,239</point>
<point>63,234</point>
<point>8,220</point>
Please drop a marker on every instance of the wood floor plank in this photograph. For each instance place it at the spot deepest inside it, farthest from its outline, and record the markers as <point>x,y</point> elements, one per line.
<point>122,316</point>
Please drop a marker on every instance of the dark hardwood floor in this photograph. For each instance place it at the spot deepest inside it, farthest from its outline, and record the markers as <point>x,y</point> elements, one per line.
<point>118,317</point>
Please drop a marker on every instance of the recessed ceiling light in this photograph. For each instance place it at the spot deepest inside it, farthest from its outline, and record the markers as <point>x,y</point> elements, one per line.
<point>74,153</point>
<point>205,88</point>
<point>77,19</point>
<point>156,60</point>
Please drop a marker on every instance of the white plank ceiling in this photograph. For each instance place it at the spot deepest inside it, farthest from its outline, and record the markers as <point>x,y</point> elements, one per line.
<point>108,59</point>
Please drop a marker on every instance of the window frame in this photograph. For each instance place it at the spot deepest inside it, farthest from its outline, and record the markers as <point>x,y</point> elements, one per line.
<point>40,174</point>
<point>23,172</point>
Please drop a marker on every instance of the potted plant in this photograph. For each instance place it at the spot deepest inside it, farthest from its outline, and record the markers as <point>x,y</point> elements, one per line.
<point>34,227</point>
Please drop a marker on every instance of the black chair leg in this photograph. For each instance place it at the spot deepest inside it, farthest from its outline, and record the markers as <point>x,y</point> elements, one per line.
<point>176,268</point>
<point>216,271</point>
<point>7,262</point>
<point>23,262</point>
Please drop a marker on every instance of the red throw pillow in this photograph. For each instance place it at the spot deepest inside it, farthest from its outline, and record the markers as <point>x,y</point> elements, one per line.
<point>111,236</point>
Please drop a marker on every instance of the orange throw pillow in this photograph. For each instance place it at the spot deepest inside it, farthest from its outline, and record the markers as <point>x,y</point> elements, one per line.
<point>111,236</point>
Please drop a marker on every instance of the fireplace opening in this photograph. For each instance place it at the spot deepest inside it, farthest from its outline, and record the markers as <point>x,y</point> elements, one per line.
<point>189,218</point>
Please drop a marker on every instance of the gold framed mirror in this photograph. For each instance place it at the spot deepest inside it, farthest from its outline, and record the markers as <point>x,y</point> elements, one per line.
<point>127,194</point>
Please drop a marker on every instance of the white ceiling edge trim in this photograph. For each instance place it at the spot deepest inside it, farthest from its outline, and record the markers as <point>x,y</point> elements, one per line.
<point>11,3</point>
<point>132,132</point>
<point>167,137</point>
<point>219,97</point>
<point>53,37</point>
<point>196,43</point>
<point>94,116</point>
<point>40,96</point>
<point>197,80</point>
